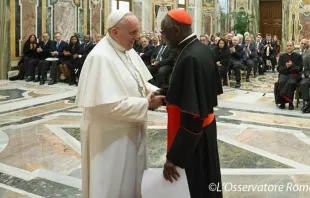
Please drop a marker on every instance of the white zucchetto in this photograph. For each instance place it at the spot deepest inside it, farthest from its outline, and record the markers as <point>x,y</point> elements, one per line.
<point>114,17</point>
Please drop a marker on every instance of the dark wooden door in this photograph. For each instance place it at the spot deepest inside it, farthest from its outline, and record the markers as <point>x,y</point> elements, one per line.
<point>271,18</point>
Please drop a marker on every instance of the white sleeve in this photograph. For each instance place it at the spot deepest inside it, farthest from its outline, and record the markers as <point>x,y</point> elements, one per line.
<point>132,109</point>
<point>151,87</point>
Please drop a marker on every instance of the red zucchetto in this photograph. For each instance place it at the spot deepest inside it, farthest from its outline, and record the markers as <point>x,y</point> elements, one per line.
<point>181,16</point>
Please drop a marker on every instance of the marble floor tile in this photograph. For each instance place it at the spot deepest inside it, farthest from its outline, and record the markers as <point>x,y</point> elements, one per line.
<point>269,119</point>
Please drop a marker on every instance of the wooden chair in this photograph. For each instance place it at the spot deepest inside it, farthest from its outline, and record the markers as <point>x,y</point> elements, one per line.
<point>297,95</point>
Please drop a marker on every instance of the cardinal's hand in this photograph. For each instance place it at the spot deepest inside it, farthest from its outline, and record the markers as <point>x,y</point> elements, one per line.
<point>170,172</point>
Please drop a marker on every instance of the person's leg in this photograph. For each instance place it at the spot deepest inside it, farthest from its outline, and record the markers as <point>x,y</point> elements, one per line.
<point>162,74</point>
<point>237,72</point>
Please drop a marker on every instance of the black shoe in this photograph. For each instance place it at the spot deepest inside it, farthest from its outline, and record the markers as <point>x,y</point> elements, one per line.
<point>14,78</point>
<point>42,82</point>
<point>291,106</point>
<point>238,85</point>
<point>306,108</point>
<point>37,79</point>
<point>29,79</point>
<point>282,106</point>
<point>247,79</point>
<point>303,107</point>
<point>52,82</point>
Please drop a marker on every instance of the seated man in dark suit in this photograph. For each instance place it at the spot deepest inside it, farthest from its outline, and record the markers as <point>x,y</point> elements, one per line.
<point>248,56</point>
<point>236,59</point>
<point>162,61</point>
<point>290,67</point>
<point>259,48</point>
<point>57,51</point>
<point>270,51</point>
<point>305,85</point>
<point>146,50</point>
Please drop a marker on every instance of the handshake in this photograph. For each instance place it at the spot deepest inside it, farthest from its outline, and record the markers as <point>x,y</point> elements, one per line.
<point>155,100</point>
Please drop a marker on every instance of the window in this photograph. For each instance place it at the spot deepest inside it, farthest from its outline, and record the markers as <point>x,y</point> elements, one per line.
<point>122,5</point>
<point>182,4</point>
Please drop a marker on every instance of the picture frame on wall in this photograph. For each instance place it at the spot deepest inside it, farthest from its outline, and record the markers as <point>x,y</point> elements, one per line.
<point>207,3</point>
<point>159,12</point>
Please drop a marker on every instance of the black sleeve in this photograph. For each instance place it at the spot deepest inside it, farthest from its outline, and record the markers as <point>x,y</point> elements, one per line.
<point>26,48</point>
<point>186,140</point>
<point>282,69</point>
<point>168,60</point>
<point>306,63</point>
<point>298,65</point>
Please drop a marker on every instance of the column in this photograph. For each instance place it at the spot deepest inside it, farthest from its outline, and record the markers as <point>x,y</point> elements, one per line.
<point>146,15</point>
<point>4,38</point>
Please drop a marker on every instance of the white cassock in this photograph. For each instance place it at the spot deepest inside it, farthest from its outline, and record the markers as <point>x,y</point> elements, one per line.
<point>113,126</point>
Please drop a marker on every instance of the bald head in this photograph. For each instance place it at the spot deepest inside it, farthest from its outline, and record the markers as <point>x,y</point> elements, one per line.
<point>235,40</point>
<point>304,43</point>
<point>124,28</point>
<point>289,47</point>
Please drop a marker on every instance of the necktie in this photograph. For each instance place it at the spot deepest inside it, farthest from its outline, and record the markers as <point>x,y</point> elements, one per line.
<point>160,53</point>
<point>302,52</point>
<point>57,46</point>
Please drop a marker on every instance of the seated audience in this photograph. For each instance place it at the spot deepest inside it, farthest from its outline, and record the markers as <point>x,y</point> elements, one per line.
<point>221,55</point>
<point>249,55</point>
<point>146,51</point>
<point>259,46</point>
<point>71,59</point>
<point>305,85</point>
<point>30,57</point>
<point>290,67</point>
<point>162,63</point>
<point>270,51</point>
<point>236,59</point>
<point>204,39</point>
<point>57,51</point>
<point>43,49</point>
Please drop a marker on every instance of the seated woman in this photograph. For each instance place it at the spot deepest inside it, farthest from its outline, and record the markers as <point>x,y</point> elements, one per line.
<point>221,54</point>
<point>71,61</point>
<point>30,57</point>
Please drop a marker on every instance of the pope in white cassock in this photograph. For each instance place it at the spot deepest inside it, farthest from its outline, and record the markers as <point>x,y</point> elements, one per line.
<point>115,96</point>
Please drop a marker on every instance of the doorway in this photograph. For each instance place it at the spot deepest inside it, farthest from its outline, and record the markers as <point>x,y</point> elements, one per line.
<point>271,17</point>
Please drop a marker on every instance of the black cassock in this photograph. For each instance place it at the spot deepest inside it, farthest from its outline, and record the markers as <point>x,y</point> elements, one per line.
<point>192,133</point>
<point>288,77</point>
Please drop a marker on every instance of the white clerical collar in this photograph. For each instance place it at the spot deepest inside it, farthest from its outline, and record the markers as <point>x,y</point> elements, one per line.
<point>187,38</point>
<point>115,45</point>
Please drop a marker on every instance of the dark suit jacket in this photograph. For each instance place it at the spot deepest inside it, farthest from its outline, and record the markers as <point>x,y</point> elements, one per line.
<point>146,56</point>
<point>252,53</point>
<point>260,49</point>
<point>273,45</point>
<point>222,55</point>
<point>85,49</point>
<point>167,56</point>
<point>297,64</point>
<point>306,64</point>
<point>238,54</point>
<point>30,53</point>
<point>62,46</point>
<point>47,48</point>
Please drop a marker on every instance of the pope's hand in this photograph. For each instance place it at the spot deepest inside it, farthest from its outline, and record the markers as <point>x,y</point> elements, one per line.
<point>155,101</point>
<point>170,172</point>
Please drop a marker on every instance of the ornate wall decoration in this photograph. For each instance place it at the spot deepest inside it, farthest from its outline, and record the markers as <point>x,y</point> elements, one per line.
<point>137,8</point>
<point>95,1</point>
<point>159,12</point>
<point>191,2</point>
<point>96,17</point>
<point>65,19</point>
<point>242,4</point>
<point>207,3</point>
<point>207,23</point>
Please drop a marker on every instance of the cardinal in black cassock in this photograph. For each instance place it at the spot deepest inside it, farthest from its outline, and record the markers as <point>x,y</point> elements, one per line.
<point>190,99</point>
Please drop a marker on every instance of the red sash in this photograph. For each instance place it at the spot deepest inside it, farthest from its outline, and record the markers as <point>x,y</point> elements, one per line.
<point>174,113</point>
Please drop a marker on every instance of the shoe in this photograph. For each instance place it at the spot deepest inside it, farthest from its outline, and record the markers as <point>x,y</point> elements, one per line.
<point>282,106</point>
<point>29,79</point>
<point>52,82</point>
<point>306,109</point>
<point>238,85</point>
<point>37,79</point>
<point>42,82</point>
<point>303,107</point>
<point>247,80</point>
<point>291,106</point>
<point>14,78</point>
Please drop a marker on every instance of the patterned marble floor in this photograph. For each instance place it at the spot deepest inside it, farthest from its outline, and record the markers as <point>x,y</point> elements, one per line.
<point>259,145</point>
